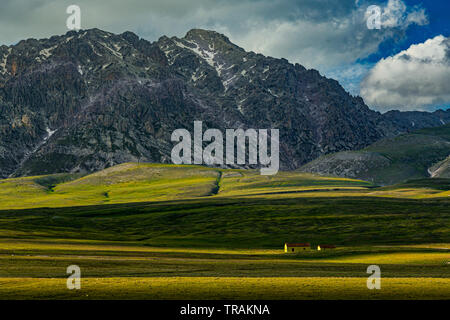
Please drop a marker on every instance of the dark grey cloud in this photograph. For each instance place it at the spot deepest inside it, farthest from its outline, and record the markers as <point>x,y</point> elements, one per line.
<point>317,33</point>
<point>321,34</point>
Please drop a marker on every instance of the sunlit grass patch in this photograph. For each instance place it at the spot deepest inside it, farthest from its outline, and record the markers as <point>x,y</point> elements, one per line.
<point>137,182</point>
<point>229,288</point>
<point>397,258</point>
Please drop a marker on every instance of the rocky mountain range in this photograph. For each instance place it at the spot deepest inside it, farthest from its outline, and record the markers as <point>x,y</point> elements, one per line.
<point>90,99</point>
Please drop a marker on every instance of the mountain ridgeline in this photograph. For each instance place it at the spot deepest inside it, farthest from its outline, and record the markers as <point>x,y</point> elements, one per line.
<point>91,99</point>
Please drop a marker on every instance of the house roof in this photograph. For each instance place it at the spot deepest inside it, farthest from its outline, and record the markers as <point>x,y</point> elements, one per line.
<point>298,245</point>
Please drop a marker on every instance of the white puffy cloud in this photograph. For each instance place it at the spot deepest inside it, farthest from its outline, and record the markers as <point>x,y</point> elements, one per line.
<point>396,14</point>
<point>415,79</point>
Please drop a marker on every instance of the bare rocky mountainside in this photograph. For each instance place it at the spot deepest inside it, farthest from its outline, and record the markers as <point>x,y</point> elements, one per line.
<point>91,99</point>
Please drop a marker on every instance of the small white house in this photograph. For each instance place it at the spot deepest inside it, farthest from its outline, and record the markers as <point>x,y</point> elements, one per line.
<point>296,247</point>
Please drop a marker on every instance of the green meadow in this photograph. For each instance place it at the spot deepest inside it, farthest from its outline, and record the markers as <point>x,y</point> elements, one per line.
<point>36,269</point>
<point>150,231</point>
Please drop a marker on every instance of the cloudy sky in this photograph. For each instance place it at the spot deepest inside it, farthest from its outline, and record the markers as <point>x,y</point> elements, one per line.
<point>405,64</point>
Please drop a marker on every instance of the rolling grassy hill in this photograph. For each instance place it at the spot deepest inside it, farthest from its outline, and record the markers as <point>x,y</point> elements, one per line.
<point>206,207</point>
<point>390,161</point>
<point>137,182</point>
<point>133,182</point>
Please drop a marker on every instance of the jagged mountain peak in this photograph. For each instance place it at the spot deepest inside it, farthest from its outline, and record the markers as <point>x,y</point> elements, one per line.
<point>206,44</point>
<point>209,36</point>
<point>90,51</point>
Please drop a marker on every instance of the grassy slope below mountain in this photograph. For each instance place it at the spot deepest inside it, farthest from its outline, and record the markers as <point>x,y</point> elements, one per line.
<point>441,169</point>
<point>392,160</point>
<point>167,205</point>
<point>137,182</point>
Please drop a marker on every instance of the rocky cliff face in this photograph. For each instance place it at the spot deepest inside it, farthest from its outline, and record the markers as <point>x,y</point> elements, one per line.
<point>91,99</point>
